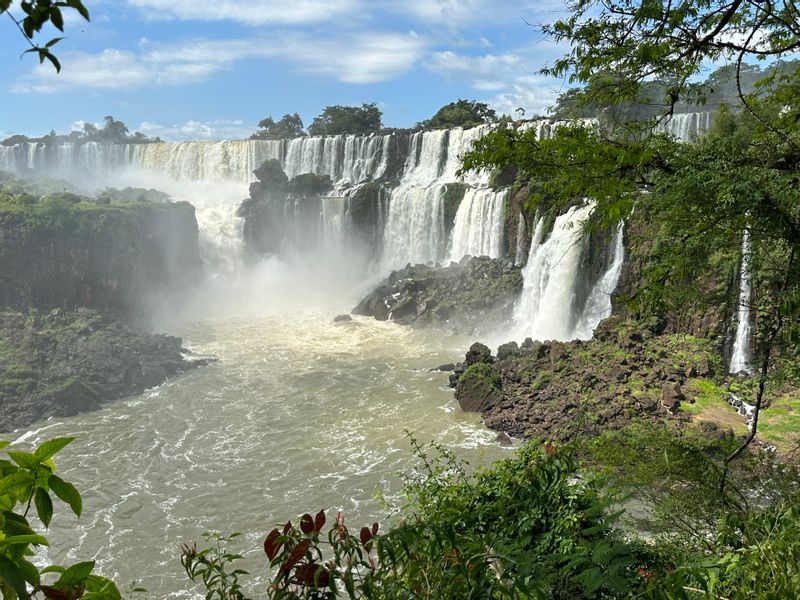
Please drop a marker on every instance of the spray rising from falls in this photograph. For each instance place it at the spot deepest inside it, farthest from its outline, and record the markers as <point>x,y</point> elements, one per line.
<point>741,355</point>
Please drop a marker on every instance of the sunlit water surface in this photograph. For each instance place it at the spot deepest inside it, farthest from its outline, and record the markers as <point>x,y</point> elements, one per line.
<point>298,414</point>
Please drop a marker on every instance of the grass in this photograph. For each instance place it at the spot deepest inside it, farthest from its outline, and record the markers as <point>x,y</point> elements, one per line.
<point>710,404</point>
<point>780,423</point>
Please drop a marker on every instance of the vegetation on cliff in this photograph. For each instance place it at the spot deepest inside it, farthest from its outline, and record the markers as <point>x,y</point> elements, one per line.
<point>335,120</point>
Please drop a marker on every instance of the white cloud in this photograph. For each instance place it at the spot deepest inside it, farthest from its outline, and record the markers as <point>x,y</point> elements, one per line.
<point>458,66</point>
<point>366,58</point>
<point>534,94</point>
<point>454,13</point>
<point>222,129</point>
<point>251,12</point>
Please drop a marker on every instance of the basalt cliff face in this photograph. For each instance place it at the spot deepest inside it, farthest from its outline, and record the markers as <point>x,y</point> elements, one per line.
<point>117,257</point>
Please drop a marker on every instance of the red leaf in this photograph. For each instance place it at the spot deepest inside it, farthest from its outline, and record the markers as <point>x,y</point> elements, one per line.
<point>319,521</point>
<point>287,527</point>
<point>306,524</point>
<point>272,545</point>
<point>374,529</point>
<point>312,574</point>
<point>365,535</point>
<point>296,555</point>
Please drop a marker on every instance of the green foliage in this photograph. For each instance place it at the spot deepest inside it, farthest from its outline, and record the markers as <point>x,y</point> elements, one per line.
<point>461,113</point>
<point>289,126</point>
<point>27,481</point>
<point>335,120</point>
<point>37,14</point>
<point>112,132</point>
<point>214,567</point>
<point>485,372</point>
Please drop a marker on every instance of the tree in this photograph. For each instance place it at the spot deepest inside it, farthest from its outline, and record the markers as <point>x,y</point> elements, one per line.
<point>335,120</point>
<point>741,177</point>
<point>461,113</point>
<point>290,126</point>
<point>113,131</point>
<point>37,14</point>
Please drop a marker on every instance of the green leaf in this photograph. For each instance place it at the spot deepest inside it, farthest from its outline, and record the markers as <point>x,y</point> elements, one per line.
<point>27,27</point>
<point>53,42</point>
<point>78,5</point>
<point>29,572</point>
<point>3,443</point>
<point>13,576</point>
<point>49,448</point>
<point>57,18</point>
<point>44,506</point>
<point>38,540</point>
<point>100,588</point>
<point>54,61</point>
<point>75,575</point>
<point>67,493</point>
<point>26,460</point>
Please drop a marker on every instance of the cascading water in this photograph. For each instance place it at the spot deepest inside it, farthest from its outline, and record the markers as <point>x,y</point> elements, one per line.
<point>686,127</point>
<point>478,229</point>
<point>741,354</point>
<point>546,309</point>
<point>598,304</point>
<point>549,307</point>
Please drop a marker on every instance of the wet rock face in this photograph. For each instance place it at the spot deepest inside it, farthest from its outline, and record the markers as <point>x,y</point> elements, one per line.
<point>470,297</point>
<point>68,362</point>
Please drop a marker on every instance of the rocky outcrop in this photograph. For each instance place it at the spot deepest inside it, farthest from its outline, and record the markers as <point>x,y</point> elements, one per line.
<point>470,297</point>
<point>281,214</point>
<point>68,362</point>
<point>568,390</point>
<point>108,255</point>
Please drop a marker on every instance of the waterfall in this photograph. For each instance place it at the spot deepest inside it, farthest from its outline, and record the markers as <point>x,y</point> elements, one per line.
<point>547,308</point>
<point>415,230</point>
<point>550,307</point>
<point>478,229</point>
<point>686,127</point>
<point>598,304</point>
<point>213,176</point>
<point>741,355</point>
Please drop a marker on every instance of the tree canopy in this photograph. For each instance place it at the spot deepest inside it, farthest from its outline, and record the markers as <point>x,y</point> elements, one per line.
<point>461,113</point>
<point>289,126</point>
<point>37,14</point>
<point>335,120</point>
<point>112,132</point>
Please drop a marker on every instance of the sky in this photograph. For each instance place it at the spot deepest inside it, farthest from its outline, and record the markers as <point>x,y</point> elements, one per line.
<point>188,69</point>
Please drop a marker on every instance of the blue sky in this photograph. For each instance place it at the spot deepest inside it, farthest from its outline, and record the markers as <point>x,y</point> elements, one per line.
<point>188,69</point>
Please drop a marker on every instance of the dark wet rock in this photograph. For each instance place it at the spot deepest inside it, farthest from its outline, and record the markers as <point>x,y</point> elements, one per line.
<point>478,353</point>
<point>74,361</point>
<point>469,297</point>
<point>445,368</point>
<point>503,439</point>
<point>671,397</point>
<point>342,318</point>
